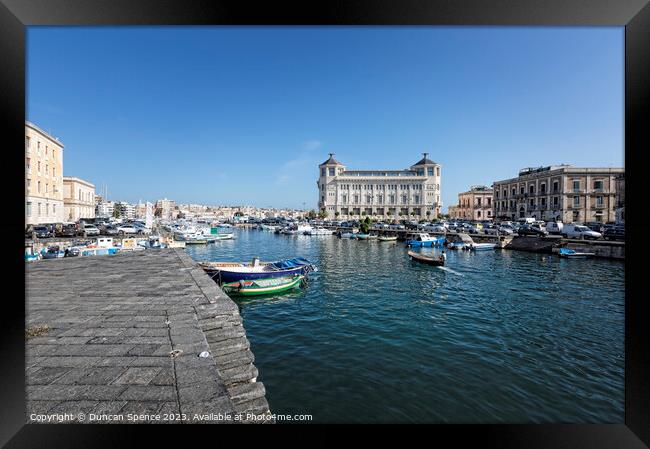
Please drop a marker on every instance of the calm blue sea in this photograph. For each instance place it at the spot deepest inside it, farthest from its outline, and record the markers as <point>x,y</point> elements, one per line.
<point>494,337</point>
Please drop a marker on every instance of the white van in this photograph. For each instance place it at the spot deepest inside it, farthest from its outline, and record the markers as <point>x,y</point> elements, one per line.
<point>554,227</point>
<point>579,231</point>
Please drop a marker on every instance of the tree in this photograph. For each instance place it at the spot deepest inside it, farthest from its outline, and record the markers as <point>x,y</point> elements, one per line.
<point>116,212</point>
<point>336,214</point>
<point>311,214</point>
<point>323,214</point>
<point>365,225</point>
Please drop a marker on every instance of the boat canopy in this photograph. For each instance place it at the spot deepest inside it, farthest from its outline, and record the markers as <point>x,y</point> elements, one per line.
<point>285,264</point>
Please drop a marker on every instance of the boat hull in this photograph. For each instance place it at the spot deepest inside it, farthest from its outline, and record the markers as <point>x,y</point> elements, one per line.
<point>426,260</point>
<point>235,288</point>
<point>225,275</point>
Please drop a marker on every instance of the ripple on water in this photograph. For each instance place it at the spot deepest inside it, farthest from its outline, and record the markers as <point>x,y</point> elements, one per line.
<point>375,337</point>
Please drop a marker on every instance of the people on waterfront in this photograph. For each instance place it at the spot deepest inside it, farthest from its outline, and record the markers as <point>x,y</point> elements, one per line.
<point>443,256</point>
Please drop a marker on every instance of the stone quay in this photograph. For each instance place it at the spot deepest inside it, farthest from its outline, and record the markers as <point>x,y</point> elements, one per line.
<point>136,337</point>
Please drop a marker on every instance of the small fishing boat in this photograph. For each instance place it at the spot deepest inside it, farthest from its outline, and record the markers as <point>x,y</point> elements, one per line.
<point>573,254</point>
<point>52,252</point>
<point>226,272</point>
<point>423,239</point>
<point>263,286</point>
<point>362,236</point>
<point>387,238</point>
<point>460,241</point>
<point>438,261</point>
<point>319,230</point>
<point>482,246</point>
<point>347,235</point>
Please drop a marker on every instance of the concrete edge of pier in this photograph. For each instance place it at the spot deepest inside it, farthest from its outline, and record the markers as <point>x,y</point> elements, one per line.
<point>223,328</point>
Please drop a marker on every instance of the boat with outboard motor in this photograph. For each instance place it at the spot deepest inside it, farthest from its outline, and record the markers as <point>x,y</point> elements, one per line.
<point>226,272</point>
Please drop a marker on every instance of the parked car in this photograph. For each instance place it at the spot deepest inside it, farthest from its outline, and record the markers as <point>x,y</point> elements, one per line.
<point>67,230</point>
<point>110,230</point>
<point>490,229</point>
<point>506,229</point>
<point>616,232</point>
<point>531,230</point>
<point>595,226</point>
<point>579,231</point>
<point>88,230</point>
<point>142,230</point>
<point>43,232</point>
<point>127,229</point>
<point>435,228</point>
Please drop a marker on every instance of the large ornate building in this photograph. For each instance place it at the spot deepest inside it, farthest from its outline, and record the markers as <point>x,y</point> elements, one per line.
<point>380,194</point>
<point>561,193</point>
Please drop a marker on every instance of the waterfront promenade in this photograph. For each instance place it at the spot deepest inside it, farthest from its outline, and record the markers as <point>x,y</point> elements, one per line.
<point>122,334</point>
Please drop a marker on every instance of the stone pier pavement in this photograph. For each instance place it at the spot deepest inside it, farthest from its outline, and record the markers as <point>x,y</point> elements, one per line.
<point>121,334</point>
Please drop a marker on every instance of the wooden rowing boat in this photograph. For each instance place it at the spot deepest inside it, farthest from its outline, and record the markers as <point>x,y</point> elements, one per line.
<point>263,286</point>
<point>426,259</point>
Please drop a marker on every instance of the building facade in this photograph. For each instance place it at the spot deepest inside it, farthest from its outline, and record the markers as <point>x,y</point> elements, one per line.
<point>127,210</point>
<point>475,204</point>
<point>165,209</point>
<point>453,212</point>
<point>558,193</point>
<point>78,199</point>
<point>380,194</point>
<point>620,198</point>
<point>105,209</point>
<point>43,177</point>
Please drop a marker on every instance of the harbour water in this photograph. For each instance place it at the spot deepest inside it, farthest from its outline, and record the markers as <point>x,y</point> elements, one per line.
<point>493,337</point>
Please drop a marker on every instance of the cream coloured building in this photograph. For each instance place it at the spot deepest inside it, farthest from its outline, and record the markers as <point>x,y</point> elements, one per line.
<point>380,194</point>
<point>78,199</point>
<point>560,192</point>
<point>475,204</point>
<point>43,177</point>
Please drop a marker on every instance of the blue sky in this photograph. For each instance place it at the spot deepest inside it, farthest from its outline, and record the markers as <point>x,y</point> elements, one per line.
<point>243,115</point>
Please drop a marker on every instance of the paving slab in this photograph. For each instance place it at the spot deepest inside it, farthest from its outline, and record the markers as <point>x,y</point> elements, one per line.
<point>123,338</point>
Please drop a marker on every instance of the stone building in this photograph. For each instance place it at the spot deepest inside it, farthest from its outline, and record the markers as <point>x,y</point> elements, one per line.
<point>104,209</point>
<point>561,192</point>
<point>43,177</point>
<point>380,194</point>
<point>453,212</point>
<point>475,204</point>
<point>620,198</point>
<point>78,199</point>
<point>165,209</point>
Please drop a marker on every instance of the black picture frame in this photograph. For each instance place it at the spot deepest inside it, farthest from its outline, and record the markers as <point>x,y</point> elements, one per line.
<point>634,15</point>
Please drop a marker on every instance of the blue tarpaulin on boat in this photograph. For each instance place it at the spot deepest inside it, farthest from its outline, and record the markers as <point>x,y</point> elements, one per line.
<point>290,263</point>
<point>566,251</point>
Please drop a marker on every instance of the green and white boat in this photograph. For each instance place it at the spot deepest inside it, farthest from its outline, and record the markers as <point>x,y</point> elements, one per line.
<point>387,238</point>
<point>263,286</point>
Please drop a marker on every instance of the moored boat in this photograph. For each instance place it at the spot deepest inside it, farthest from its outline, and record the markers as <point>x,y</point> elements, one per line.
<point>573,254</point>
<point>423,239</point>
<point>429,260</point>
<point>387,238</point>
<point>360,236</point>
<point>460,241</point>
<point>482,246</point>
<point>263,286</point>
<point>226,272</point>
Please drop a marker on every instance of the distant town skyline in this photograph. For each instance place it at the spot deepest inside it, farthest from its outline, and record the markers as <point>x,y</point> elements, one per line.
<point>244,115</point>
